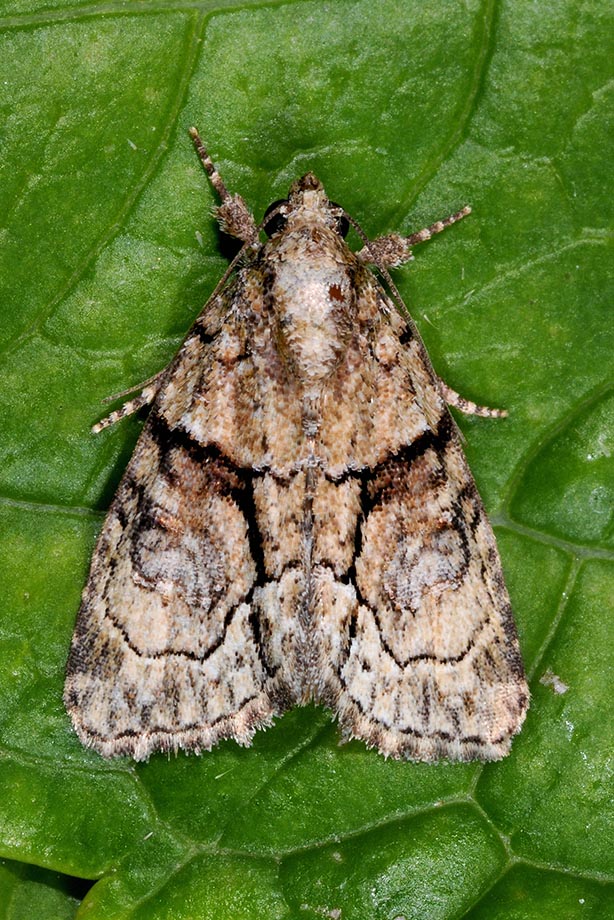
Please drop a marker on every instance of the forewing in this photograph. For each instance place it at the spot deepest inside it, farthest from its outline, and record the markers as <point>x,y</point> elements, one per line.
<point>431,667</point>
<point>166,652</point>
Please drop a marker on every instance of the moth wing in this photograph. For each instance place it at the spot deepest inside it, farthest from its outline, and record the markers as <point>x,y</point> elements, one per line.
<point>432,667</point>
<point>166,652</point>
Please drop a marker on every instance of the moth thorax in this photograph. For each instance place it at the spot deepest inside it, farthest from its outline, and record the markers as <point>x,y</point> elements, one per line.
<point>312,304</point>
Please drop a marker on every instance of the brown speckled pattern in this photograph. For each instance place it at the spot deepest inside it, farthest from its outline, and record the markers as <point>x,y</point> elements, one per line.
<point>297,522</point>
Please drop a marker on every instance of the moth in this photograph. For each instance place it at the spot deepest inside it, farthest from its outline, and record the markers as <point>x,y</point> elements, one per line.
<point>298,521</point>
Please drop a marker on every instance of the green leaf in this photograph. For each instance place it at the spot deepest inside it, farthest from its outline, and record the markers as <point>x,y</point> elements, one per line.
<point>406,111</point>
<point>27,892</point>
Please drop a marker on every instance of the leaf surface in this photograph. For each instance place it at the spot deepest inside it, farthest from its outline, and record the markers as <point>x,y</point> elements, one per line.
<point>406,112</point>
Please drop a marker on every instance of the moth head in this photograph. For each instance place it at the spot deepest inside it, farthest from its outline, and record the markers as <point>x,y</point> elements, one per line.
<point>306,197</point>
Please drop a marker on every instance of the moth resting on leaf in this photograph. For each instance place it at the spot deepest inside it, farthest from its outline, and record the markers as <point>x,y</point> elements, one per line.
<point>298,521</point>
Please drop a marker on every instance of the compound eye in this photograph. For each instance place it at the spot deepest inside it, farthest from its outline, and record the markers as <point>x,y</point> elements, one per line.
<point>343,224</point>
<point>276,223</point>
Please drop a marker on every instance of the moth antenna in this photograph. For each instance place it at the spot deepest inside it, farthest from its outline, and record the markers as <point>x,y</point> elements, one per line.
<point>423,235</point>
<point>214,176</point>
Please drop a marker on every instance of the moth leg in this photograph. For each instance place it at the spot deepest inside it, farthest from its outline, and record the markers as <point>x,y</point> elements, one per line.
<point>145,398</point>
<point>466,406</point>
<point>394,249</point>
<point>234,216</point>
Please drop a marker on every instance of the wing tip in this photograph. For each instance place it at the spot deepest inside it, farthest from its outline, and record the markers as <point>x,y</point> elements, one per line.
<point>140,744</point>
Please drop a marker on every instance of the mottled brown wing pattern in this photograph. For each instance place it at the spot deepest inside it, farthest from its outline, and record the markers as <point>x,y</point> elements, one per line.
<point>430,667</point>
<point>167,651</point>
<point>298,522</point>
